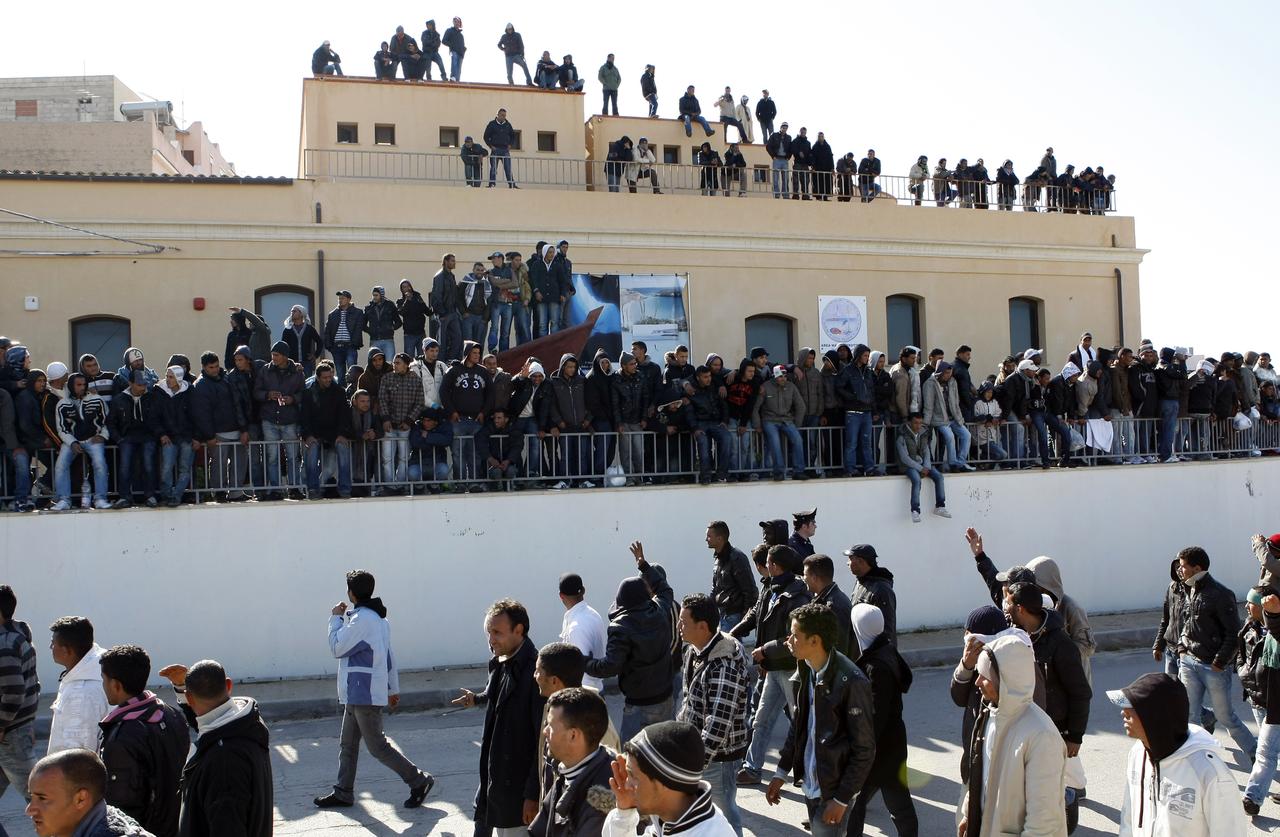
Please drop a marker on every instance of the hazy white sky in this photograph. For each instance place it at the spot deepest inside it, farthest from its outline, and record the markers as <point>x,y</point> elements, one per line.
<point>1176,98</point>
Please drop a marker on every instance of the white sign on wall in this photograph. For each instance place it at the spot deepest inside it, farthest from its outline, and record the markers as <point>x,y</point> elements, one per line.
<point>842,319</point>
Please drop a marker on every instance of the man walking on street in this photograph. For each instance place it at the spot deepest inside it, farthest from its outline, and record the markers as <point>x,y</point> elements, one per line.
<point>21,688</point>
<point>368,680</point>
<point>733,585</point>
<point>80,703</point>
<point>873,584</point>
<point>819,577</point>
<point>582,625</point>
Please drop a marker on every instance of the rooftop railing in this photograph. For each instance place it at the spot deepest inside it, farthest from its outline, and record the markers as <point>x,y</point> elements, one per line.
<point>755,180</point>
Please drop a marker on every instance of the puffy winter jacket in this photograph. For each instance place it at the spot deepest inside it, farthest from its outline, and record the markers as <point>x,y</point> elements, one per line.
<point>79,706</point>
<point>628,398</point>
<point>640,639</point>
<point>144,746</point>
<point>1212,622</point>
<point>287,381</point>
<point>226,785</point>
<point>214,408</point>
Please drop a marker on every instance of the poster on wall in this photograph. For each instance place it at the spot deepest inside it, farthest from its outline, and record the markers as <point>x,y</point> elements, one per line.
<point>653,309</point>
<point>842,319</point>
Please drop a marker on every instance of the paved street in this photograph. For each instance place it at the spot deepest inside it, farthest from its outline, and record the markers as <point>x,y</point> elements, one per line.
<point>305,757</point>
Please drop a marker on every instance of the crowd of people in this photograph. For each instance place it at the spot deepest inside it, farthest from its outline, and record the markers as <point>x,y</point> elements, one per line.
<point>801,169</point>
<point>274,419</point>
<point>698,710</point>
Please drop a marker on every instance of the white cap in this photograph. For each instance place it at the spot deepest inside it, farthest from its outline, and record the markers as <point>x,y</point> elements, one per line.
<point>56,370</point>
<point>1027,364</point>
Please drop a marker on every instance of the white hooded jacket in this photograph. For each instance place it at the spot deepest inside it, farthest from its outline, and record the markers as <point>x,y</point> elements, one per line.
<point>79,706</point>
<point>1190,793</point>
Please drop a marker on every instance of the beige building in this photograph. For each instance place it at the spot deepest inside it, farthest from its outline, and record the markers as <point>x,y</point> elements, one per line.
<point>97,124</point>
<point>366,212</point>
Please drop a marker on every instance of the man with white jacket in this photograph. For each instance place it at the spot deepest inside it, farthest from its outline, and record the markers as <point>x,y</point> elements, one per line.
<point>80,703</point>
<point>642,166</point>
<point>431,370</point>
<point>360,639</point>
<point>1177,784</point>
<point>1017,756</point>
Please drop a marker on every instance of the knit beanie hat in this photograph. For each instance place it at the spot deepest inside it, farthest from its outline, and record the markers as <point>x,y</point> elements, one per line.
<point>243,350</point>
<point>987,619</point>
<point>280,347</point>
<point>675,751</point>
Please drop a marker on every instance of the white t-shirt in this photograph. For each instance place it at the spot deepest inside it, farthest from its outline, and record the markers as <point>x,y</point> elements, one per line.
<point>584,628</point>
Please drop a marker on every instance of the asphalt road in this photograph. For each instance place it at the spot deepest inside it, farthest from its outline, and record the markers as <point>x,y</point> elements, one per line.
<point>447,744</point>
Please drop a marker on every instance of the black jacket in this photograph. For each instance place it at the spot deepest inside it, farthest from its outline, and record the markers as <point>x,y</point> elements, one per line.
<point>964,387</point>
<point>823,158</point>
<point>509,758</point>
<point>511,43</point>
<point>568,74</point>
<point>771,618</point>
<point>430,41</point>
<point>890,678</point>
<point>499,134</point>
<point>413,312</point>
<point>640,640</point>
<point>577,806</point>
<point>801,152</point>
<point>144,756</point>
<point>214,408</point>
<point>172,417</point>
<point>381,319</point>
<point>355,327</point>
<point>1211,622</point>
<point>226,785</point>
<point>778,145</point>
<point>856,387</point>
<point>1171,617</point>
<point>1248,662</point>
<point>733,584</point>
<point>876,588</point>
<point>843,708</point>
<point>598,390</point>
<point>1067,691</point>
<point>326,415</point>
<point>319,59</point>
<point>454,40</point>
<point>505,445</point>
<point>707,405</point>
<point>628,398</point>
<point>689,105</point>
<point>648,87</point>
<point>834,598</point>
<point>309,349</point>
<point>128,418</point>
<point>766,110</point>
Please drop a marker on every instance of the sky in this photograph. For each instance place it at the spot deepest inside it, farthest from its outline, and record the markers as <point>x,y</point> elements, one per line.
<point>1177,99</point>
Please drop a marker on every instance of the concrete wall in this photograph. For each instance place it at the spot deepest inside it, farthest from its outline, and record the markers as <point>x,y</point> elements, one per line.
<point>746,258</point>
<point>57,97</point>
<point>253,585</point>
<point>117,147</point>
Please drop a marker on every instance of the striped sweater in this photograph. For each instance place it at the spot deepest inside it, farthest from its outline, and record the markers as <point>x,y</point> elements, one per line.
<point>19,685</point>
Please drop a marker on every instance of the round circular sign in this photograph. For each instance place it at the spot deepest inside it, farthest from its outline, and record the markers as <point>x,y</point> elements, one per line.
<point>841,320</point>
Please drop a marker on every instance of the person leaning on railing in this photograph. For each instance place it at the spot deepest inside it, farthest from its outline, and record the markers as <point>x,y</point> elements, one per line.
<point>642,166</point>
<point>473,155</point>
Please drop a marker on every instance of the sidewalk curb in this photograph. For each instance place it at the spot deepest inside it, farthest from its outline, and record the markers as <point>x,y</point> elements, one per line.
<point>425,699</point>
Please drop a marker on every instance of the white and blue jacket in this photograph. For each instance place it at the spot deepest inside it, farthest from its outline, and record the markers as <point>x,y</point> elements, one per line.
<point>361,641</point>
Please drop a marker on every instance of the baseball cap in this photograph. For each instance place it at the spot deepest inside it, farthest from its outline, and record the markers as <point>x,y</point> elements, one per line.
<point>571,585</point>
<point>497,254</point>
<point>865,551</point>
<point>347,294</point>
<point>1016,574</point>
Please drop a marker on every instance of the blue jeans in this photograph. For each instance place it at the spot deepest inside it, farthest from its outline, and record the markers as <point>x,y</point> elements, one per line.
<point>1206,716</point>
<point>394,456</point>
<point>724,448</point>
<point>175,468</point>
<point>548,313</point>
<point>604,444</point>
<point>473,326</point>
<point>773,432</point>
<point>17,758</point>
<point>729,621</point>
<point>500,326</point>
<point>688,121</point>
<point>286,436</point>
<point>1044,422</point>
<point>744,445</point>
<point>956,437</point>
<point>1168,426</point>
<point>1015,434</point>
<point>464,448</point>
<point>817,827</point>
<point>939,493</point>
<point>504,154</point>
<point>610,95</point>
<point>653,104</point>
<point>857,441</point>
<point>472,171</point>
<point>723,778</point>
<point>127,453</point>
<point>780,182</point>
<point>97,453</point>
<point>21,475</point>
<point>520,315</point>
<point>343,356</point>
<point>1264,769</point>
<point>314,457</point>
<point>388,348</point>
<point>570,461</point>
<point>636,718</point>
<point>776,694</point>
<point>528,427</point>
<point>513,61</point>
<point>455,66</point>
<point>429,58</point>
<point>1200,679</point>
<point>412,343</point>
<point>992,452</point>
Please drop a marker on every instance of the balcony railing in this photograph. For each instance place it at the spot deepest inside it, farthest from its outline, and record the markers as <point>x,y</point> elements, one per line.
<point>756,180</point>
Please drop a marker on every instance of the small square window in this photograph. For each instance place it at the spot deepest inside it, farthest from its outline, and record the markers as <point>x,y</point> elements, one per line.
<point>26,107</point>
<point>449,137</point>
<point>189,155</point>
<point>546,140</point>
<point>348,133</point>
<point>760,174</point>
<point>671,155</point>
<point>384,134</point>
<point>517,144</point>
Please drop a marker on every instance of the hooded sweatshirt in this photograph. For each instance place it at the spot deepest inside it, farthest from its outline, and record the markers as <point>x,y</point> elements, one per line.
<point>1178,785</point>
<point>1017,757</point>
<point>79,420</point>
<point>809,383</point>
<point>467,390</point>
<point>568,397</point>
<point>1074,618</point>
<point>598,389</point>
<point>226,784</point>
<point>890,678</point>
<point>79,706</point>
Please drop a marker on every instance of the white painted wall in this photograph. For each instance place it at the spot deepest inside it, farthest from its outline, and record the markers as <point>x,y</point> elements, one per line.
<point>252,585</point>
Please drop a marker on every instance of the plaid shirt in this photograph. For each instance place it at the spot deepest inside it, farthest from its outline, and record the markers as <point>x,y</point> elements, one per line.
<point>400,397</point>
<point>716,692</point>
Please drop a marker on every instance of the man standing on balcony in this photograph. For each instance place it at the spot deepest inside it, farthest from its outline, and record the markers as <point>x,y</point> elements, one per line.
<point>649,89</point>
<point>766,112</point>
<point>457,48</point>
<point>868,171</point>
<point>801,165</point>
<point>443,300</point>
<point>472,160</point>
<point>512,46</point>
<point>431,52</point>
<point>405,50</point>
<point>610,80</point>
<point>499,136</point>
<point>381,321</point>
<point>779,147</point>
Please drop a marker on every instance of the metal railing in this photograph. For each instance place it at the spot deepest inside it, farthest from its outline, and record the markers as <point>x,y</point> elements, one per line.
<point>275,470</point>
<point>756,180</point>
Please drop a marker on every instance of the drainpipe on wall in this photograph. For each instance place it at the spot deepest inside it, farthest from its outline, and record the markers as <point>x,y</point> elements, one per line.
<point>320,277</point>
<point>1120,304</point>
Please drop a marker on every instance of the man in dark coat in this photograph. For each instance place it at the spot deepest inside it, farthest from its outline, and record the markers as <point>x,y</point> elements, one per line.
<point>804,524</point>
<point>578,796</point>
<point>733,586</point>
<point>819,577</point>
<point>509,760</point>
<point>873,584</point>
<point>325,62</point>
<point>226,784</point>
<point>824,163</point>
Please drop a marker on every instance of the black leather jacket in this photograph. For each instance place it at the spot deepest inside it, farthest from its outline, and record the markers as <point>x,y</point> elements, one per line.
<point>843,724</point>
<point>1211,622</point>
<point>733,584</point>
<point>638,650</point>
<point>771,617</point>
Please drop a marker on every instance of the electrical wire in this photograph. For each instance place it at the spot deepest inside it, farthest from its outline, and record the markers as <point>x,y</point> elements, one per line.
<point>145,249</point>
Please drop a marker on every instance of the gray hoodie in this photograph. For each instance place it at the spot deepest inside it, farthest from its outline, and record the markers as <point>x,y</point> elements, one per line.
<point>1075,619</point>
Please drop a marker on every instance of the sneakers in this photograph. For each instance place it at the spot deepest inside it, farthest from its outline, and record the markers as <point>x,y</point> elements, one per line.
<point>61,505</point>
<point>942,512</point>
<point>1250,807</point>
<point>420,793</point>
<point>747,779</point>
<point>101,503</point>
<point>1170,460</point>
<point>122,504</point>
<point>915,517</point>
<point>332,800</point>
<point>586,484</point>
<point>560,486</point>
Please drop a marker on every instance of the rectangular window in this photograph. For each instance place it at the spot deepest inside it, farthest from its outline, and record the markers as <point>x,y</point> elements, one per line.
<point>517,144</point>
<point>760,174</point>
<point>348,133</point>
<point>190,156</point>
<point>26,107</point>
<point>449,137</point>
<point>546,140</point>
<point>384,134</point>
<point>671,155</point>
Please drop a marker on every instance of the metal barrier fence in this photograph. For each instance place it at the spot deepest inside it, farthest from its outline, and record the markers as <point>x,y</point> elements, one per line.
<point>752,181</point>
<point>276,469</point>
